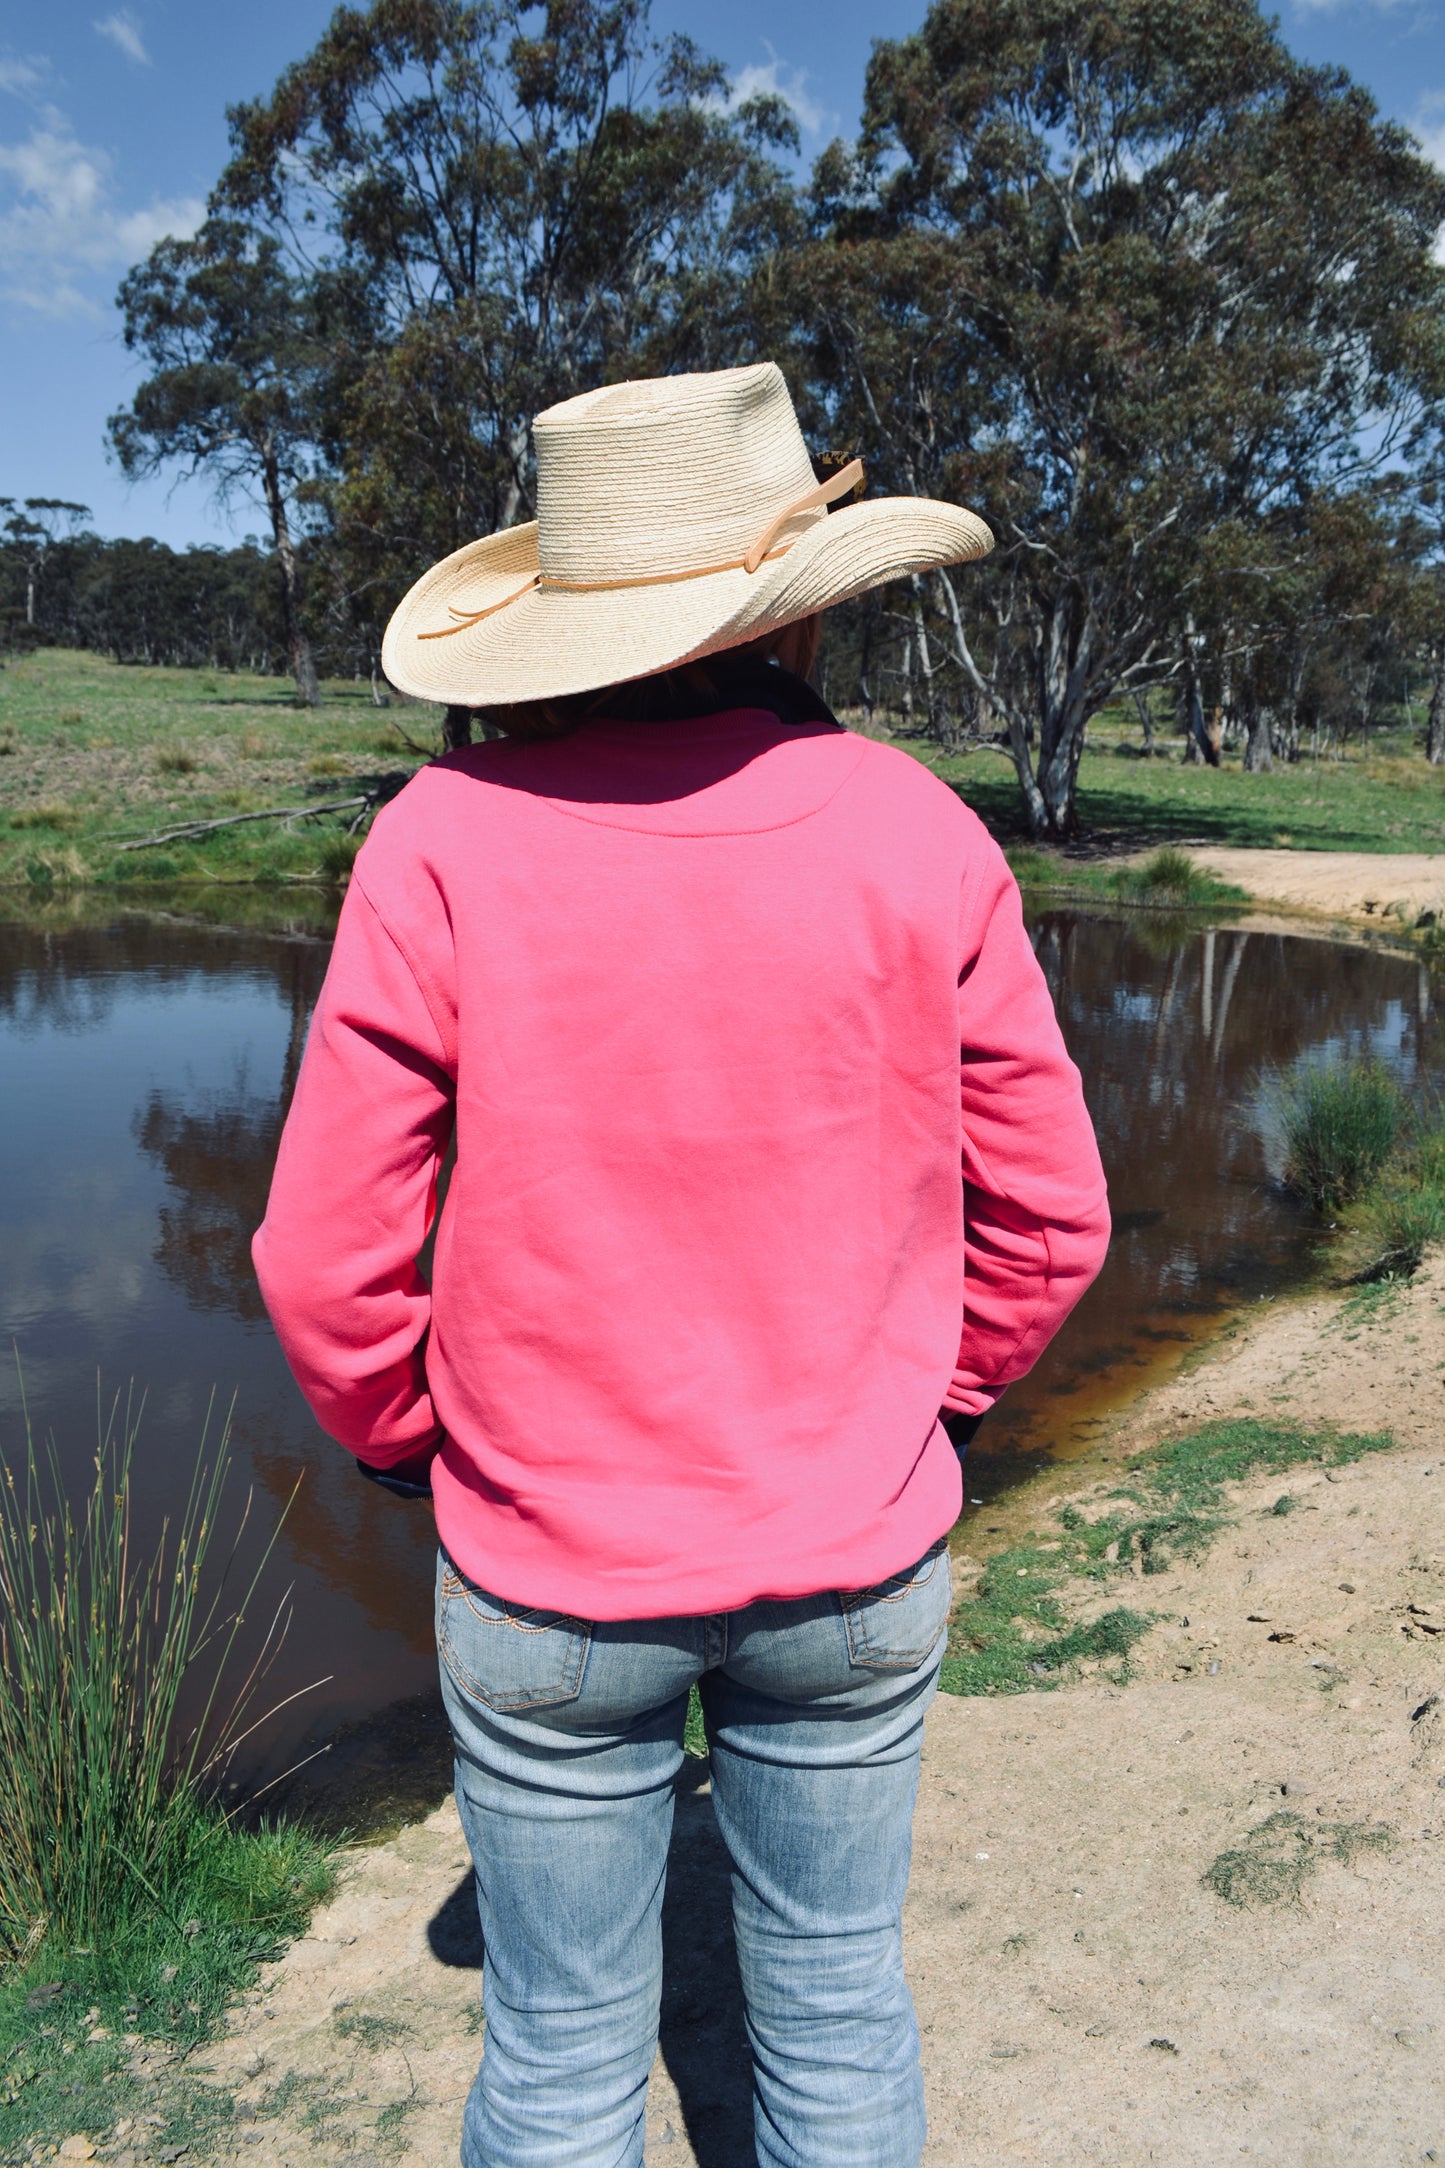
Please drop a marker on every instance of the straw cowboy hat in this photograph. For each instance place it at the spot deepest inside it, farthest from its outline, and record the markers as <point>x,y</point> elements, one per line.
<point>675,516</point>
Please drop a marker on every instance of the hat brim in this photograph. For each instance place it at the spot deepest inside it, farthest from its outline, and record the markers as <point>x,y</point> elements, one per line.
<point>551,641</point>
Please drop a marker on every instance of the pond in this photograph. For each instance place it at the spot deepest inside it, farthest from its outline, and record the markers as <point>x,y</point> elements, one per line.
<point>147,1065</point>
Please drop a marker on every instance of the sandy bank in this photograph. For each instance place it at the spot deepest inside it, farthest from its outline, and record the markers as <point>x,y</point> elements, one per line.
<point>1084,1996</point>
<point>1334,884</point>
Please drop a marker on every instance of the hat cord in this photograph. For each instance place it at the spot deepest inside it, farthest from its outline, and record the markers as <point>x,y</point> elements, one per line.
<point>849,478</point>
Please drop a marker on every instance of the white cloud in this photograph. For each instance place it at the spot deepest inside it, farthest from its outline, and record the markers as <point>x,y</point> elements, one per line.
<point>123,30</point>
<point>778,80</point>
<point>1337,7</point>
<point>59,220</point>
<point>20,77</point>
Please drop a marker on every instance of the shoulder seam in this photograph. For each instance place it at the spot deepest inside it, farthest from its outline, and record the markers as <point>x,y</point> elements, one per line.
<point>445,1041</point>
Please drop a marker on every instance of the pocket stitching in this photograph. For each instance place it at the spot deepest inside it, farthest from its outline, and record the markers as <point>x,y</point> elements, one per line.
<point>860,1652</point>
<point>569,1685</point>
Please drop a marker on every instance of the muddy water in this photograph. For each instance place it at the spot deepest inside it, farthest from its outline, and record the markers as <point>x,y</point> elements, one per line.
<point>146,1066</point>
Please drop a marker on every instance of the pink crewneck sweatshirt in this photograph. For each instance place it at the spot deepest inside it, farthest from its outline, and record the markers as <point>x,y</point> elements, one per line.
<point>768,1147</point>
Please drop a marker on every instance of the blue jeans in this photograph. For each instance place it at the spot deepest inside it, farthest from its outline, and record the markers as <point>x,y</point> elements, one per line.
<point>568,1742</point>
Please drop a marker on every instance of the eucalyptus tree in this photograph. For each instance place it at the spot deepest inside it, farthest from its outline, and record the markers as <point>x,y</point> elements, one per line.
<point>32,531</point>
<point>518,202</point>
<point>235,348</point>
<point>1125,276</point>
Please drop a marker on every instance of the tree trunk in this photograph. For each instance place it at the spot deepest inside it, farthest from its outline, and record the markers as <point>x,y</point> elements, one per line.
<point>298,647</point>
<point>1259,747</point>
<point>1435,721</point>
<point>1065,654</point>
<point>456,729</point>
<point>1203,742</point>
<point>1146,722</point>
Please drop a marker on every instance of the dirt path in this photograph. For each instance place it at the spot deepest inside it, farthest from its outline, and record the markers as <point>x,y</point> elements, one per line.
<point>1334,884</point>
<point>1085,1997</point>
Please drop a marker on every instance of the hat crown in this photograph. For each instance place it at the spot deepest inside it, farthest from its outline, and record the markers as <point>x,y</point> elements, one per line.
<point>665,475</point>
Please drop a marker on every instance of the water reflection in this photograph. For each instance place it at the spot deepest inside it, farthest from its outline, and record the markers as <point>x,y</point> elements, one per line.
<point>148,1066</point>
<point>216,1153</point>
<point>1172,1025</point>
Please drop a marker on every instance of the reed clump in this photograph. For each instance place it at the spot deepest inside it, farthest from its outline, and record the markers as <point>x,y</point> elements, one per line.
<point>1357,1147</point>
<point>1341,1122</point>
<point>113,1841</point>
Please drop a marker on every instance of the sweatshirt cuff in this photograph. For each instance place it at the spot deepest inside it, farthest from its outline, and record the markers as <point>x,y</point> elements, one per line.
<point>963,1399</point>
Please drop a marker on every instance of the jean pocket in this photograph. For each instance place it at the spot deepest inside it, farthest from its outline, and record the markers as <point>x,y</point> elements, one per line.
<point>508,1655</point>
<point>897,1624</point>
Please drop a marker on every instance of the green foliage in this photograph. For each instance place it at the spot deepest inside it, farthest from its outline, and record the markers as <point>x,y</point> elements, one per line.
<point>574,198</point>
<point>1340,1122</point>
<point>1079,269</point>
<point>1276,1859</point>
<point>143,602</point>
<point>995,1654</point>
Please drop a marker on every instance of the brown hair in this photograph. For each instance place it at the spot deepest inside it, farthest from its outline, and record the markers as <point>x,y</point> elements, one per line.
<point>653,699</point>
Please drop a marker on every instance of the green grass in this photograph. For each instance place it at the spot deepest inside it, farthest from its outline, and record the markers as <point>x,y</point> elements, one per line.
<point>100,755</point>
<point>131,1907</point>
<point>1013,1633</point>
<point>1384,799</point>
<point>93,755</point>
<point>694,1735</point>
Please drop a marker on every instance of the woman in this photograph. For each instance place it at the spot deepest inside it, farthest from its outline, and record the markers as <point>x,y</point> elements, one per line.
<point>768,1154</point>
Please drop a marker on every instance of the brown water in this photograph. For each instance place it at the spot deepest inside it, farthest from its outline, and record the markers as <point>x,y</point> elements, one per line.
<point>146,1067</point>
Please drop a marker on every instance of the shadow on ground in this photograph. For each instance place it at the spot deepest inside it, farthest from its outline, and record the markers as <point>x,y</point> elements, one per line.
<point>702,2037</point>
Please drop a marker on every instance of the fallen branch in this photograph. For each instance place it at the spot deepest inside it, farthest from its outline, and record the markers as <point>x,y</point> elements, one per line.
<point>367,801</point>
<point>234,820</point>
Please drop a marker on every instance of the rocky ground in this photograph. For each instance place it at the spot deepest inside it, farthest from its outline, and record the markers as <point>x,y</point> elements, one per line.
<point>1192,1919</point>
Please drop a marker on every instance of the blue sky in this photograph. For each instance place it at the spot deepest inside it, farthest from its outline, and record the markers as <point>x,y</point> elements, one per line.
<point>112,128</point>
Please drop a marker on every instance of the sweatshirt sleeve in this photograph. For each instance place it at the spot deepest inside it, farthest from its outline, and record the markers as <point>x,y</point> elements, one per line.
<point>1036,1216</point>
<point>354,1195</point>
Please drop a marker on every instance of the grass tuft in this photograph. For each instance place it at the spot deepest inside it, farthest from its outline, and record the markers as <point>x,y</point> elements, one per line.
<point>1276,1859</point>
<point>51,814</point>
<point>338,856</point>
<point>1170,877</point>
<point>1341,1122</point>
<point>62,867</point>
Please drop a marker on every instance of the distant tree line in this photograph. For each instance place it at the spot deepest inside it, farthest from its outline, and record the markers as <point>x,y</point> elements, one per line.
<point>1157,299</point>
<point>143,602</point>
